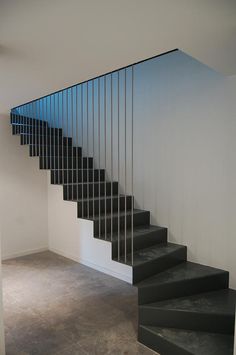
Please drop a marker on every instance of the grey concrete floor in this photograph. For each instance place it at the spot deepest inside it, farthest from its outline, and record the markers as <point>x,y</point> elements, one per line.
<point>53,305</point>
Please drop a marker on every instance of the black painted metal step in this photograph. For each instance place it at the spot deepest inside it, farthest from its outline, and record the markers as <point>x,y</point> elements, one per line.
<point>211,312</point>
<point>105,224</point>
<point>53,150</point>
<point>100,205</point>
<point>182,280</point>
<point>171,341</point>
<point>36,130</point>
<point>65,162</point>
<point>76,176</point>
<point>84,190</point>
<point>143,237</point>
<point>23,120</point>
<point>154,259</point>
<point>44,140</point>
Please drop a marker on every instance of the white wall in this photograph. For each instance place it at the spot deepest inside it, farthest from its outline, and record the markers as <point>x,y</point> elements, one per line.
<point>185,155</point>
<point>2,340</point>
<point>73,237</point>
<point>23,197</point>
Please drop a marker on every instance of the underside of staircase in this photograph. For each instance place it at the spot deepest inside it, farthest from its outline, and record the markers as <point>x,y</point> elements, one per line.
<point>184,307</point>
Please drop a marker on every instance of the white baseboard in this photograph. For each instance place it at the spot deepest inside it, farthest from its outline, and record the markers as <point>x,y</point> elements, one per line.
<point>118,275</point>
<point>24,253</point>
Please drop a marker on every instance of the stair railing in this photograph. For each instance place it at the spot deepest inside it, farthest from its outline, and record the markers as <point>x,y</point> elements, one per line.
<point>84,134</point>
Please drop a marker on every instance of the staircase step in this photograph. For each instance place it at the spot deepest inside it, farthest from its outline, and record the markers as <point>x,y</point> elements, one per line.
<point>35,130</point>
<point>76,176</point>
<point>65,162</point>
<point>99,205</point>
<point>44,139</point>
<point>154,259</point>
<point>211,312</point>
<point>84,190</point>
<point>22,120</point>
<point>171,341</point>
<point>143,237</point>
<point>53,150</point>
<point>105,224</point>
<point>182,280</point>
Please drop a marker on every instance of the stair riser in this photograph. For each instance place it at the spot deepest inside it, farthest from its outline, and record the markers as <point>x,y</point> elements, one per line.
<point>44,140</point>
<point>106,225</point>
<point>90,208</point>
<point>159,344</point>
<point>47,150</point>
<point>153,267</point>
<point>36,130</point>
<point>89,190</point>
<point>55,163</point>
<point>140,242</point>
<point>15,119</point>
<point>74,176</point>
<point>186,320</point>
<point>182,288</point>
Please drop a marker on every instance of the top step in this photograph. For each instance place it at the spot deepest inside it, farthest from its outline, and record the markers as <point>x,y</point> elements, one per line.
<point>22,120</point>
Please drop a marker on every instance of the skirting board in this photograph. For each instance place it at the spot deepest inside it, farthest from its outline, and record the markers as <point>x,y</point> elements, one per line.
<point>107,271</point>
<point>24,253</point>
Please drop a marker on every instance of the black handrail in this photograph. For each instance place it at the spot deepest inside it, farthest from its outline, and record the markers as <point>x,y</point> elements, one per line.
<point>99,76</point>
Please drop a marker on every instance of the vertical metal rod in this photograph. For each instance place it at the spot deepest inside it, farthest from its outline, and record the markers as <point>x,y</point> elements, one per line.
<point>67,145</point>
<point>45,139</point>
<point>112,158</point>
<point>118,156</point>
<point>87,109</point>
<point>76,176</point>
<point>105,153</point>
<point>99,148</point>
<point>81,162</point>
<point>42,128</point>
<point>93,144</point>
<point>45,158</point>
<point>125,172</point>
<point>54,133</point>
<point>58,137</point>
<point>50,133</point>
<point>23,129</point>
<point>62,171</point>
<point>132,164</point>
<point>72,132</point>
<point>38,125</point>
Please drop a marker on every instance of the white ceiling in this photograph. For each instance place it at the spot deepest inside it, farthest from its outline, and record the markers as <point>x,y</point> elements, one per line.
<point>50,44</point>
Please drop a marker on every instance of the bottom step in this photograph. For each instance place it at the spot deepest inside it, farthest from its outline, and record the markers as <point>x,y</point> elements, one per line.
<point>170,341</point>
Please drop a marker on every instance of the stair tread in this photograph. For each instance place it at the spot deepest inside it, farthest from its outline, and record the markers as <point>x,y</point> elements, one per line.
<point>184,271</point>
<point>90,183</point>
<point>34,124</point>
<point>97,198</point>
<point>121,214</point>
<point>195,342</point>
<point>153,252</point>
<point>74,169</point>
<point>137,231</point>
<point>216,302</point>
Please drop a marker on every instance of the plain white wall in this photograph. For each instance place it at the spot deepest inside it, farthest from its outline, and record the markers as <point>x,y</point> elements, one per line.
<point>185,155</point>
<point>23,197</point>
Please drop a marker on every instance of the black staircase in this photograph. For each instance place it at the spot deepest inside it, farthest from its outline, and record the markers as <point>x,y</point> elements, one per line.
<point>184,307</point>
<point>84,135</point>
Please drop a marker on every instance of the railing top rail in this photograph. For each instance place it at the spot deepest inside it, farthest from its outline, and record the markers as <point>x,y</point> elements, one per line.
<point>94,78</point>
